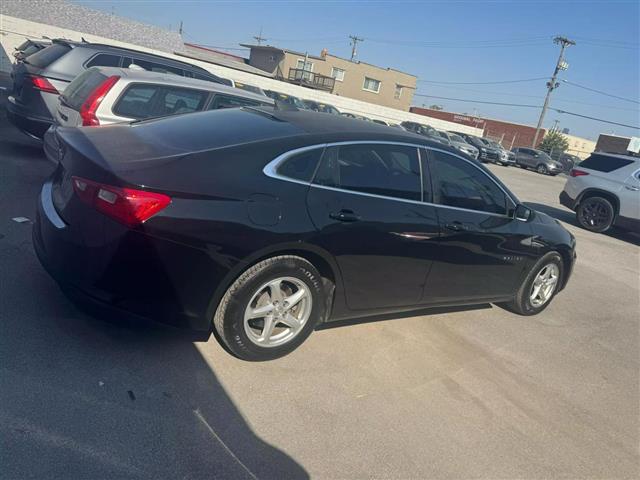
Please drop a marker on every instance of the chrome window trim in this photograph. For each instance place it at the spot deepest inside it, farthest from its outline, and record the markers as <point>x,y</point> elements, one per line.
<point>270,170</point>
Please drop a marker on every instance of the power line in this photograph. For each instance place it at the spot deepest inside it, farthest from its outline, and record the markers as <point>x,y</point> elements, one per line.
<point>601,92</point>
<point>597,119</point>
<point>484,83</point>
<point>478,101</point>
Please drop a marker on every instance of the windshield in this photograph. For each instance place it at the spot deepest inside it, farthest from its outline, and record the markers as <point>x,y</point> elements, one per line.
<point>456,138</point>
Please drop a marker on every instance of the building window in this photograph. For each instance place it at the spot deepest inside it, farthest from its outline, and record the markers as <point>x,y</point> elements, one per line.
<point>302,66</point>
<point>338,74</point>
<point>371,85</point>
<point>398,92</point>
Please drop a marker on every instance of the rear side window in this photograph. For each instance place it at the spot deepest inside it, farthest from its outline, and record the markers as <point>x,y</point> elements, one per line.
<point>604,163</point>
<point>153,66</point>
<point>47,56</point>
<point>379,169</point>
<point>228,101</point>
<point>81,87</point>
<point>300,166</point>
<point>104,60</point>
<point>176,101</point>
<point>457,183</point>
<point>137,102</point>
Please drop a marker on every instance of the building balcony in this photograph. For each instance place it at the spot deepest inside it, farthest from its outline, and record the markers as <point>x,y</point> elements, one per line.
<point>311,80</point>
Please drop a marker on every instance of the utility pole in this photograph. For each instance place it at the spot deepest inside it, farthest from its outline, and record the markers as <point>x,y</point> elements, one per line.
<point>180,28</point>
<point>354,42</point>
<point>259,38</point>
<point>564,42</point>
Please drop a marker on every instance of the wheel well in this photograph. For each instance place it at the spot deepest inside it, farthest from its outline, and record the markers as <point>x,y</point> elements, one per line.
<point>601,193</point>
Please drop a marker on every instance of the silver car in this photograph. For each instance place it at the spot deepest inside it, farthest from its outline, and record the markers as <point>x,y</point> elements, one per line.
<point>105,95</point>
<point>459,143</point>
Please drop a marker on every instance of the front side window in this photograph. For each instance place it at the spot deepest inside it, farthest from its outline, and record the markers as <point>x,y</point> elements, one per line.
<point>380,169</point>
<point>137,102</point>
<point>300,166</point>
<point>371,85</point>
<point>338,74</point>
<point>104,60</point>
<point>457,183</point>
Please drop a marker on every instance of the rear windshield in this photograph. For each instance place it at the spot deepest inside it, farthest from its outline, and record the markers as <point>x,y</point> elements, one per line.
<point>81,87</point>
<point>47,56</point>
<point>604,163</point>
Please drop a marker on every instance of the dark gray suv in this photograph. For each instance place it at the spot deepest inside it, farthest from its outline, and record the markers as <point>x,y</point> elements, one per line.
<point>538,160</point>
<point>39,78</point>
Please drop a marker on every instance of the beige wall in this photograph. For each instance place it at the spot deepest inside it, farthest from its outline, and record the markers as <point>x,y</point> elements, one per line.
<point>579,146</point>
<point>354,74</point>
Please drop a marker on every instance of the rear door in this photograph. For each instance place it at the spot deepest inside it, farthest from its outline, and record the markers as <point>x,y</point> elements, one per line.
<point>366,203</point>
<point>483,250</point>
<point>630,197</point>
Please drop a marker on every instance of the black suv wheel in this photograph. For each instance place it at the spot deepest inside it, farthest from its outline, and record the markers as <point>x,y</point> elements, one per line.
<point>595,214</point>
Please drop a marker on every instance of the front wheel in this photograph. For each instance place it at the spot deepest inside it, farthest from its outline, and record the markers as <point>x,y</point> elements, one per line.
<point>271,308</point>
<point>542,169</point>
<point>539,287</point>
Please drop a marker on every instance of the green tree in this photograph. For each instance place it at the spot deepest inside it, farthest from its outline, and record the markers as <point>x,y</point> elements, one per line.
<point>554,143</point>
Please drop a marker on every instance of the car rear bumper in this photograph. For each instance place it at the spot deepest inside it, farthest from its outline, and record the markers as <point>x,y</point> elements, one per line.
<point>567,201</point>
<point>127,275</point>
<point>21,118</point>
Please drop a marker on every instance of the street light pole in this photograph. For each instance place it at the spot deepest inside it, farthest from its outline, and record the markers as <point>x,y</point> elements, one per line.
<point>553,84</point>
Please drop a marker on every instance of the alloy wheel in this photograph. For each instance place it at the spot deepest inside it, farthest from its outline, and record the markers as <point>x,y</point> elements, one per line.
<point>277,312</point>
<point>544,285</point>
<point>595,215</point>
<point>542,169</point>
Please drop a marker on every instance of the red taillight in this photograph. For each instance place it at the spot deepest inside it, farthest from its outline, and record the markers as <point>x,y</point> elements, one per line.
<point>577,173</point>
<point>90,106</point>
<point>42,84</point>
<point>125,205</point>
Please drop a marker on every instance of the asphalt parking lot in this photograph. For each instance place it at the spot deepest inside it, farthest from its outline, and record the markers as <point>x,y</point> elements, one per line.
<point>479,393</point>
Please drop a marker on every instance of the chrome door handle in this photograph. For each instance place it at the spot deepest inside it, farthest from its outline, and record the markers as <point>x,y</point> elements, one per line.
<point>632,188</point>
<point>345,216</point>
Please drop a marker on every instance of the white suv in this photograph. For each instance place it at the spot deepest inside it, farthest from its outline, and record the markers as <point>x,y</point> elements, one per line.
<point>604,190</point>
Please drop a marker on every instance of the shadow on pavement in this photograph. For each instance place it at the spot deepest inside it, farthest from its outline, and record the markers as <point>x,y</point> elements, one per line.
<point>569,217</point>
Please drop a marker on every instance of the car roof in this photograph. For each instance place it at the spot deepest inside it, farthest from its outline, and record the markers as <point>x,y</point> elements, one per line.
<point>144,76</point>
<point>618,155</point>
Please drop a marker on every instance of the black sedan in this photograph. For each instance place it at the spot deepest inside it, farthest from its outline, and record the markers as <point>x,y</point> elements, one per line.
<point>261,224</point>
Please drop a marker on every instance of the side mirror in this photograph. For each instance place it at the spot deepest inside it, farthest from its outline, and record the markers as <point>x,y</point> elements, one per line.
<point>523,213</point>
<point>536,155</point>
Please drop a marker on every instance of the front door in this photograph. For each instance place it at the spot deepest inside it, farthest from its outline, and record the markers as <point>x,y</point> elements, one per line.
<point>484,251</point>
<point>365,202</point>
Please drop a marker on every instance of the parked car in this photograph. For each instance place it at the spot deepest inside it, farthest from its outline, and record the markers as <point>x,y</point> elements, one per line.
<point>538,160</point>
<point>105,95</point>
<point>487,152</point>
<point>263,223</point>
<point>321,107</point>
<point>506,157</point>
<point>29,47</point>
<point>286,99</point>
<point>459,143</point>
<point>568,161</point>
<point>38,79</point>
<point>425,130</point>
<point>247,87</point>
<point>604,191</point>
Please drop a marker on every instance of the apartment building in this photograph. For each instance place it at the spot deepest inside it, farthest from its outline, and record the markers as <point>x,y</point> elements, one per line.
<point>362,81</point>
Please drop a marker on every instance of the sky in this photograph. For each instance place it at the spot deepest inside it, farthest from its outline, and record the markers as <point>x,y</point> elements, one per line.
<point>446,41</point>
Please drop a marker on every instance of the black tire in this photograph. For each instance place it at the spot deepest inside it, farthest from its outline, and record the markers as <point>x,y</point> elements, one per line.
<point>229,317</point>
<point>542,169</point>
<point>596,214</point>
<point>521,304</point>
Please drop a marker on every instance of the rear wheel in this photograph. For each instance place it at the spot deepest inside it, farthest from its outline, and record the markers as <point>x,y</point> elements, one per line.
<point>271,308</point>
<point>542,168</point>
<point>539,287</point>
<point>595,214</point>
